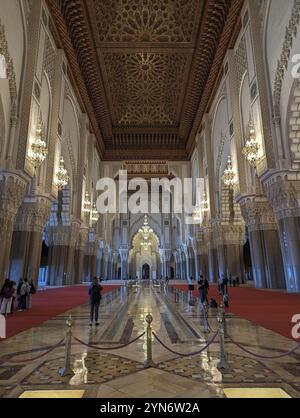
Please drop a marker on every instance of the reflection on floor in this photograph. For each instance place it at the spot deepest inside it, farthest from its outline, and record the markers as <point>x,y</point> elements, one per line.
<point>114,373</point>
<point>53,394</point>
<point>270,393</point>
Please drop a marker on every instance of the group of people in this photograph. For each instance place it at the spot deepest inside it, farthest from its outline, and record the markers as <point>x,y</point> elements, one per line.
<point>10,292</point>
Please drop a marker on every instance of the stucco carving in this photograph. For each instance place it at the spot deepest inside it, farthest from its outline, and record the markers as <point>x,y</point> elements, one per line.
<point>9,69</point>
<point>283,62</point>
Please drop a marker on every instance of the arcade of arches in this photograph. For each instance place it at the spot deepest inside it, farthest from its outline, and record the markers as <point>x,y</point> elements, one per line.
<point>200,89</point>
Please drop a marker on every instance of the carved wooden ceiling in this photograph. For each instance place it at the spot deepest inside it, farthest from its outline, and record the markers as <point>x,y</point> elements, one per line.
<point>145,69</point>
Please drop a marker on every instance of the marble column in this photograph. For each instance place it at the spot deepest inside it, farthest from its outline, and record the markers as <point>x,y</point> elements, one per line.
<point>79,256</point>
<point>25,256</point>
<point>212,256</point>
<point>62,242</point>
<point>289,229</point>
<point>266,256</point>
<point>124,263</point>
<point>12,191</point>
<point>229,237</point>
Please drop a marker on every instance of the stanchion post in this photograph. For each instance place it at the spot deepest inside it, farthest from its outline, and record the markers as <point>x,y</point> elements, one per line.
<point>67,370</point>
<point>149,362</point>
<point>223,364</point>
<point>204,308</point>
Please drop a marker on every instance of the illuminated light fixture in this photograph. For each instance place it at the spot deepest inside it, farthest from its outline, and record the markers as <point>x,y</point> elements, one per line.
<point>62,178</point>
<point>252,147</point>
<point>229,175</point>
<point>145,230</point>
<point>197,214</point>
<point>87,204</point>
<point>95,214</point>
<point>38,149</point>
<point>145,245</point>
<point>204,204</point>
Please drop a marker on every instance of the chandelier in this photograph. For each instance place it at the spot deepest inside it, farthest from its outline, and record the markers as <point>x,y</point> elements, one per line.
<point>204,203</point>
<point>38,149</point>
<point>95,213</point>
<point>145,245</point>
<point>251,149</point>
<point>62,178</point>
<point>197,213</point>
<point>146,230</point>
<point>87,204</point>
<point>229,175</point>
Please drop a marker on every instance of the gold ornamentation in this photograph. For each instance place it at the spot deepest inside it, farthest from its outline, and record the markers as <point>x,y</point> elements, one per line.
<point>62,178</point>
<point>38,150</point>
<point>229,174</point>
<point>252,147</point>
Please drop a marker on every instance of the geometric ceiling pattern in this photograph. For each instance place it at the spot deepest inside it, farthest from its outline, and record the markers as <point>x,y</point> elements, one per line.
<point>145,87</point>
<point>146,20</point>
<point>144,69</point>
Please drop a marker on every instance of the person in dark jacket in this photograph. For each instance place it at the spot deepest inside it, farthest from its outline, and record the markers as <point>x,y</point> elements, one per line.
<point>95,298</point>
<point>202,289</point>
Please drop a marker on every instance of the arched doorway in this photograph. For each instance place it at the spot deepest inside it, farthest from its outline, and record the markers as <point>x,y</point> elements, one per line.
<point>146,272</point>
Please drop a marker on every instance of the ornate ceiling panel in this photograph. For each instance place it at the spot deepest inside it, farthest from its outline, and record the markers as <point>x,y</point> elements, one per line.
<point>169,21</point>
<point>145,87</point>
<point>146,65</point>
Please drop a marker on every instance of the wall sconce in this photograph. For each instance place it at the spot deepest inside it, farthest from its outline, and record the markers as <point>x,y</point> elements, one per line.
<point>38,149</point>
<point>86,204</point>
<point>62,178</point>
<point>229,175</point>
<point>252,147</point>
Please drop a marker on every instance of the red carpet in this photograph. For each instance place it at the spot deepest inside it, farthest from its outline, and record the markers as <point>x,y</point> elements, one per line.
<point>48,304</point>
<point>271,310</point>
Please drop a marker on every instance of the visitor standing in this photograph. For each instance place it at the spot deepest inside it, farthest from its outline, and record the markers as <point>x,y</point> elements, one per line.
<point>31,292</point>
<point>7,296</point>
<point>95,298</point>
<point>24,292</point>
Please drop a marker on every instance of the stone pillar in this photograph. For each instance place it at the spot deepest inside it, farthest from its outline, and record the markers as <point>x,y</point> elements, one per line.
<point>229,239</point>
<point>124,262</point>
<point>12,191</point>
<point>79,256</point>
<point>283,192</point>
<point>212,257</point>
<point>62,242</point>
<point>267,265</point>
<point>27,238</point>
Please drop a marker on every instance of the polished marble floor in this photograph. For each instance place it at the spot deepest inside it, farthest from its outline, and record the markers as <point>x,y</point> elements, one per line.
<point>120,372</point>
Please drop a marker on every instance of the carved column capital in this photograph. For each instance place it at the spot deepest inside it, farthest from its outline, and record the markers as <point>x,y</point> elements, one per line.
<point>12,191</point>
<point>33,214</point>
<point>257,213</point>
<point>283,192</point>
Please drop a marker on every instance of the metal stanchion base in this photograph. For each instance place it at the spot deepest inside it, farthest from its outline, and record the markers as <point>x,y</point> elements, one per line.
<point>65,372</point>
<point>148,363</point>
<point>222,365</point>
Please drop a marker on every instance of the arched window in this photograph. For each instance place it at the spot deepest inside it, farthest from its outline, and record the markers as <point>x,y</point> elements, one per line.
<point>3,73</point>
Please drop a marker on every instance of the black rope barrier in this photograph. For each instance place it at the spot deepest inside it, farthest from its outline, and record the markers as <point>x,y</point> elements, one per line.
<point>262,356</point>
<point>60,343</point>
<point>108,348</point>
<point>185,354</point>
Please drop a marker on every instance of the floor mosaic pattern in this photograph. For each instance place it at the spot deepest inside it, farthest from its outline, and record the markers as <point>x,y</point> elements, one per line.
<point>119,373</point>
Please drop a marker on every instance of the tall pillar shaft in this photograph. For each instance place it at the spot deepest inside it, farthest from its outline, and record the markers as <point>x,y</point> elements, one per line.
<point>289,229</point>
